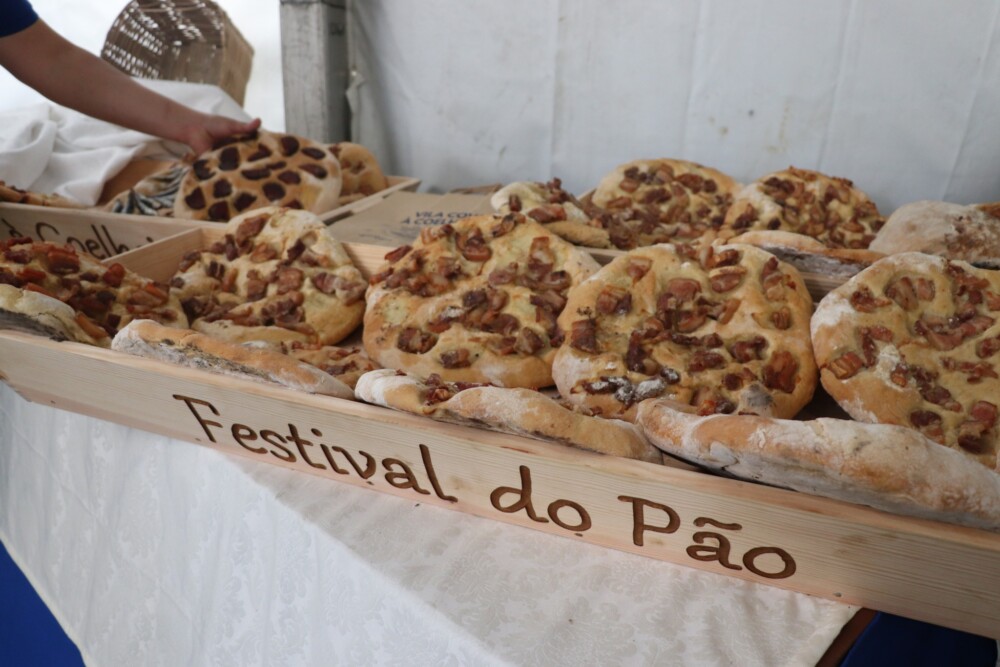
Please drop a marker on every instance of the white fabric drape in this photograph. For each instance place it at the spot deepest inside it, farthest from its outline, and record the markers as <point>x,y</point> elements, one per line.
<point>51,149</point>
<point>896,95</point>
<point>152,551</point>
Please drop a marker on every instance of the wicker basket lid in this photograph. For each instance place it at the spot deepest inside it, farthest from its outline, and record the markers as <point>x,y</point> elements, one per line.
<point>180,40</point>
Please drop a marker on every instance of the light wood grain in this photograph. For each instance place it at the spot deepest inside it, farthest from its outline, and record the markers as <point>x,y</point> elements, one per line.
<point>934,572</point>
<point>99,233</point>
<point>396,184</point>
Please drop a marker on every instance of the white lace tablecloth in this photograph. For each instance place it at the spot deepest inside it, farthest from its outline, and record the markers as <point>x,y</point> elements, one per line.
<point>152,551</point>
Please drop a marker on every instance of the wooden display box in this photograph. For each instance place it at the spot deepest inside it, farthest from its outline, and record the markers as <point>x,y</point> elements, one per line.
<point>99,233</point>
<point>935,572</point>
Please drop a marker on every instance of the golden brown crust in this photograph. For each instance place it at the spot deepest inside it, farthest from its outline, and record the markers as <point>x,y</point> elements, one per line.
<point>34,313</point>
<point>645,202</point>
<point>887,467</point>
<point>263,169</point>
<point>277,275</point>
<point>145,338</point>
<point>549,204</point>
<point>14,195</point>
<point>104,298</point>
<point>827,208</point>
<point>475,301</point>
<point>914,340</point>
<point>360,171</point>
<point>509,410</point>
<point>725,328</point>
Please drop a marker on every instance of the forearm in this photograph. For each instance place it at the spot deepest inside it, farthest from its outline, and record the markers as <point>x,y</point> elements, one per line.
<point>70,76</point>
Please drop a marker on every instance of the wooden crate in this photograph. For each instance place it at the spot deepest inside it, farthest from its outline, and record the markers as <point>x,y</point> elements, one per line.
<point>99,233</point>
<point>396,184</point>
<point>931,571</point>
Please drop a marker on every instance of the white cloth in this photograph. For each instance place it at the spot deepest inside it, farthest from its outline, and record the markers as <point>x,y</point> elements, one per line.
<point>51,149</point>
<point>900,97</point>
<point>153,551</point>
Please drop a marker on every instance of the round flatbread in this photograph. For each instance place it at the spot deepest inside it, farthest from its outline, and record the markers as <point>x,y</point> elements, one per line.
<point>277,275</point>
<point>890,468</point>
<point>826,208</point>
<point>549,204</point>
<point>660,201</point>
<point>508,410</point>
<point>263,169</point>
<point>967,233</point>
<point>102,298</point>
<point>914,340</point>
<point>474,301</point>
<point>723,328</point>
<point>362,176</point>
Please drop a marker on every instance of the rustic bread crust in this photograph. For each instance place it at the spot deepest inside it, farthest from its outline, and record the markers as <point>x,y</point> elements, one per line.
<point>723,327</point>
<point>967,233</point>
<point>890,468</point>
<point>360,171</point>
<point>475,301</point>
<point>808,254</point>
<point>259,170</point>
<point>145,338</point>
<point>103,298</point>
<point>508,410</point>
<point>15,195</point>
<point>826,208</point>
<point>562,214</point>
<point>34,313</point>
<point>913,340</point>
<point>279,275</point>
<point>662,200</point>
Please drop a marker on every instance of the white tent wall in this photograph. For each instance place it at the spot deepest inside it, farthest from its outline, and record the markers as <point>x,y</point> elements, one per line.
<point>899,96</point>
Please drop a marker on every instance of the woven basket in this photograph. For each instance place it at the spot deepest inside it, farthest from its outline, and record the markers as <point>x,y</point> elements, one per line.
<point>180,40</point>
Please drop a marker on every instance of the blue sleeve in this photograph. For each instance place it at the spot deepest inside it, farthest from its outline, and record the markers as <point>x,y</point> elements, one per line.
<point>15,16</point>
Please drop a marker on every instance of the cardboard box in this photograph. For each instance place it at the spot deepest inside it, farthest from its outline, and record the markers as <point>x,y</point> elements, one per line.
<point>398,218</point>
<point>936,572</point>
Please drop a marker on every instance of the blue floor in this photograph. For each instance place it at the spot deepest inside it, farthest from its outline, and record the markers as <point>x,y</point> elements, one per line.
<point>29,633</point>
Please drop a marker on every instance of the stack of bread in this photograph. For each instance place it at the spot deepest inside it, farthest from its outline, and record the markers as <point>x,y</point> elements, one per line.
<point>698,345</point>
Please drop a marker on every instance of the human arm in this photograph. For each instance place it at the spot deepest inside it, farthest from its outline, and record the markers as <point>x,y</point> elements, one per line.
<point>68,75</point>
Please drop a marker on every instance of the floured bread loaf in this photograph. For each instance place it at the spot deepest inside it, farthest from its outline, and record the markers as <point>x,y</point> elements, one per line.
<point>145,338</point>
<point>969,233</point>
<point>826,208</point>
<point>262,169</point>
<point>646,202</point>
<point>102,298</point>
<point>277,275</point>
<point>360,171</point>
<point>914,340</point>
<point>518,411</point>
<point>474,301</point>
<point>723,328</point>
<point>891,468</point>
<point>549,204</point>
